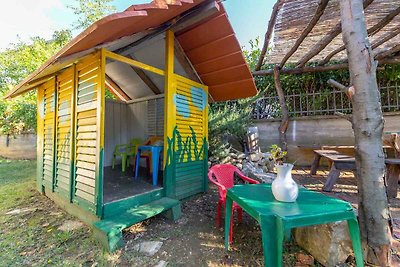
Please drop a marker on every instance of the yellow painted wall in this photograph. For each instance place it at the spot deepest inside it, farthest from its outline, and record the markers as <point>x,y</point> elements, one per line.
<point>186,126</point>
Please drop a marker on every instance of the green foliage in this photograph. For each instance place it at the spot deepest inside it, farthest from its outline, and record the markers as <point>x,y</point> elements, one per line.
<point>226,120</point>
<point>16,63</point>
<point>309,83</point>
<point>391,73</point>
<point>89,11</point>
<point>18,116</point>
<point>231,119</point>
<point>253,54</point>
<point>302,83</point>
<point>22,58</point>
<point>277,154</point>
<point>109,95</point>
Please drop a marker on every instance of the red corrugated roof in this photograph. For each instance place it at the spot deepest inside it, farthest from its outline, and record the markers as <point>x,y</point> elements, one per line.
<point>210,45</point>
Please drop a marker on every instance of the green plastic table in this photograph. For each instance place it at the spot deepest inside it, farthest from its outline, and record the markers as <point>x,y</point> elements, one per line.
<point>277,218</point>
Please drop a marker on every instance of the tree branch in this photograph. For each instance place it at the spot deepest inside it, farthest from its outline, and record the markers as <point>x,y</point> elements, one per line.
<point>389,52</point>
<point>344,116</point>
<point>285,112</point>
<point>349,90</point>
<point>268,34</point>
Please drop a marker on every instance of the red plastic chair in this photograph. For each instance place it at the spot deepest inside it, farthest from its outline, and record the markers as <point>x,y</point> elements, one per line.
<point>222,175</point>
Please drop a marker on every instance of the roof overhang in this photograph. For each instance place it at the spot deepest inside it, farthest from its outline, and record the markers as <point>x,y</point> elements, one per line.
<point>201,27</point>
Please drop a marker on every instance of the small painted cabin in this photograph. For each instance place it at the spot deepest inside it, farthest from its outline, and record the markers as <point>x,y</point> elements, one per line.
<point>163,62</point>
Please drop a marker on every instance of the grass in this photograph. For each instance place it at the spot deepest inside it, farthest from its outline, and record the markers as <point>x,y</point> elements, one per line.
<point>31,238</point>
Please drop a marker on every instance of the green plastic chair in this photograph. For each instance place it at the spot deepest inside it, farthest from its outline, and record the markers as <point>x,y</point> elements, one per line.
<point>125,152</point>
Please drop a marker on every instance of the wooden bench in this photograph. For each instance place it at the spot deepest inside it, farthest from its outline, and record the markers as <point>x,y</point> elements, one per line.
<point>392,176</point>
<point>338,162</point>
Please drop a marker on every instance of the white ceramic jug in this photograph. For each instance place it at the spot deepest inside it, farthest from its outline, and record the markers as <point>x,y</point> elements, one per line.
<point>284,188</point>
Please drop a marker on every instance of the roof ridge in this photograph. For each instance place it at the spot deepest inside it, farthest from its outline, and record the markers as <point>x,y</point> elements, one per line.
<point>158,4</point>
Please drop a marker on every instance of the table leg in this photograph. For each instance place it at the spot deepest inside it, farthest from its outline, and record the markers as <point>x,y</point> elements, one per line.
<point>315,164</point>
<point>355,240</point>
<point>228,215</point>
<point>123,159</point>
<point>155,153</point>
<point>392,179</point>
<point>272,232</point>
<point>331,180</point>
<point>288,234</point>
<point>137,163</point>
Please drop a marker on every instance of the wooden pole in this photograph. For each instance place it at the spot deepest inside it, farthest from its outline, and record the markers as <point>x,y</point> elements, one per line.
<point>371,31</point>
<point>388,52</point>
<point>367,122</point>
<point>320,11</point>
<point>268,34</point>
<point>385,38</point>
<point>327,39</point>
<point>285,113</point>
<point>340,66</point>
<point>145,78</point>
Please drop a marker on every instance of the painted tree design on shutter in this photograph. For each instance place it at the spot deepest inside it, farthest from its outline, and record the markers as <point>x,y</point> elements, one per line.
<point>87,136</point>
<point>64,163</point>
<point>46,117</point>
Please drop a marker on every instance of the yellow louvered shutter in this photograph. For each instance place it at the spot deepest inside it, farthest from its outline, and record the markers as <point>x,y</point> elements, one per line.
<point>64,133</point>
<point>88,130</point>
<point>188,159</point>
<point>46,121</point>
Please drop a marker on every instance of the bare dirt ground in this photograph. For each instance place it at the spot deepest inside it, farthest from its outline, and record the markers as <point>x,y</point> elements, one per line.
<point>34,234</point>
<point>194,239</point>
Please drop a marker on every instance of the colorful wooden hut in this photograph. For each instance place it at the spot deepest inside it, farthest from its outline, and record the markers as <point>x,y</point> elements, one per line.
<point>164,62</point>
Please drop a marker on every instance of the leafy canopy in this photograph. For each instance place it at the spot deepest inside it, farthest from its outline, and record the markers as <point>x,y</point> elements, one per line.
<point>89,11</point>
<point>16,62</point>
<point>22,58</point>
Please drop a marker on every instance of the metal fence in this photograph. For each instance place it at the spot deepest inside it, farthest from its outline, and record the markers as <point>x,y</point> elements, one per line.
<point>321,103</point>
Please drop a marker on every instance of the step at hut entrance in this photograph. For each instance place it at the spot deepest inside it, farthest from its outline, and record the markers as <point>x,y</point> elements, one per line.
<point>163,63</point>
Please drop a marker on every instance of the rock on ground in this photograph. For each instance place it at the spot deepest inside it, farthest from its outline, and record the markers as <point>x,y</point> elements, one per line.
<point>148,248</point>
<point>161,264</point>
<point>69,225</point>
<point>256,173</point>
<point>304,260</point>
<point>330,244</point>
<point>19,211</point>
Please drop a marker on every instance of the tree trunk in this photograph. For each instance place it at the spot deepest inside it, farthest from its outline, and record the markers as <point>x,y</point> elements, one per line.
<point>285,113</point>
<point>367,121</point>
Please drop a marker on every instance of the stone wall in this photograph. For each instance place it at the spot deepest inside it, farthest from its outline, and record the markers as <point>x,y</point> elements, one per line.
<point>18,147</point>
<point>307,133</point>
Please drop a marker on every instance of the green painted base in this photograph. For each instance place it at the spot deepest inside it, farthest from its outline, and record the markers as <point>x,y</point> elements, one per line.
<point>115,208</point>
<point>174,213</point>
<point>72,208</point>
<point>109,230</point>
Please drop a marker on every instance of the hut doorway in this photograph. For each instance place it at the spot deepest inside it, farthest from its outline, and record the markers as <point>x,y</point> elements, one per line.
<point>127,126</point>
<point>134,118</point>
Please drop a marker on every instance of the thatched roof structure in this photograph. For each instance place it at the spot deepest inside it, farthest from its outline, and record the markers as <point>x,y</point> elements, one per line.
<point>309,31</point>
